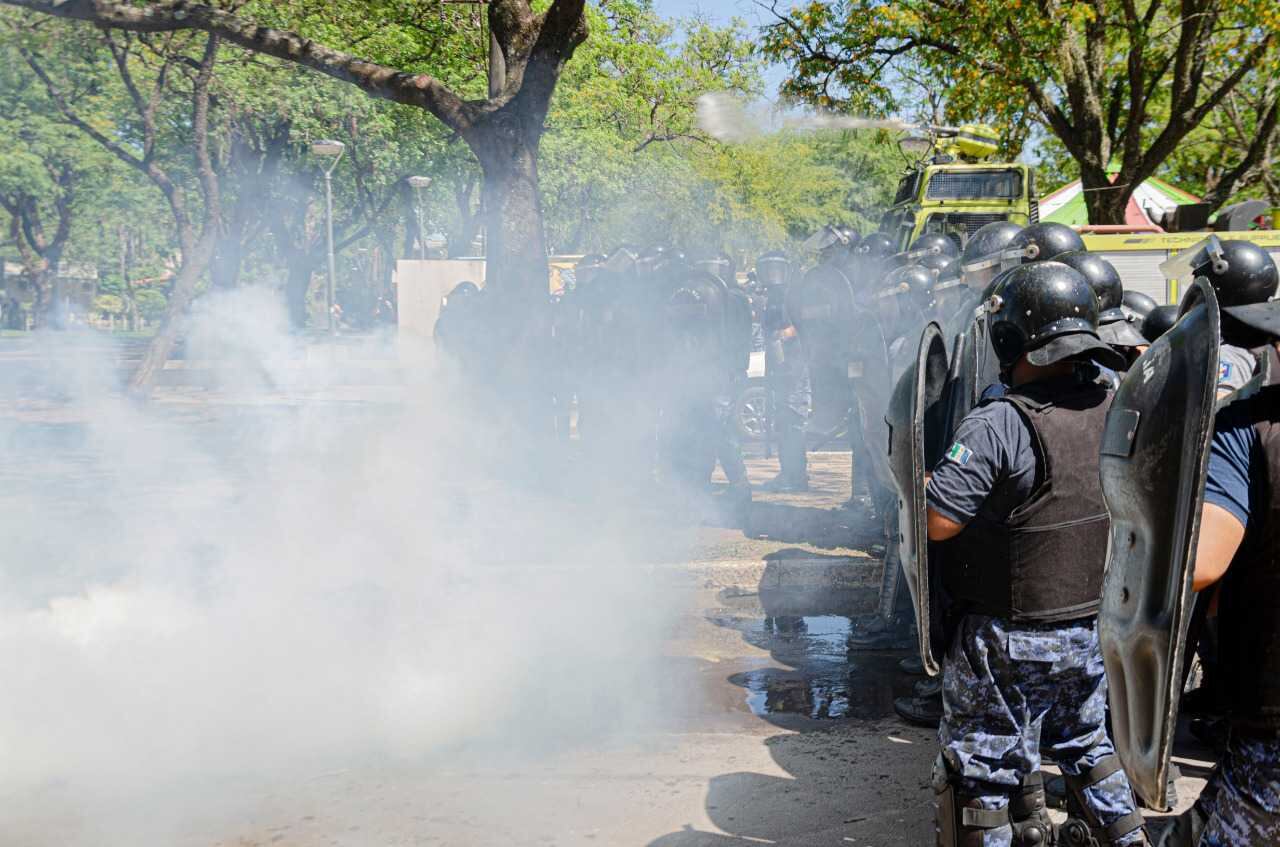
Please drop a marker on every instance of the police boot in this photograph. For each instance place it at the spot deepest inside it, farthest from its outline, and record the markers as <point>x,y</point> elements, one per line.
<point>923,711</point>
<point>1029,815</point>
<point>961,821</point>
<point>1082,829</point>
<point>1186,829</point>
<point>785,483</point>
<point>877,633</point>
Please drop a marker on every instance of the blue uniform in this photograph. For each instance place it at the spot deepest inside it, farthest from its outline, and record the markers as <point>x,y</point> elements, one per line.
<point>1013,689</point>
<point>1242,799</point>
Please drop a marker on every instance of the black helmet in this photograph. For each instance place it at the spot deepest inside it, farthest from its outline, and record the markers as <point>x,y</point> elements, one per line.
<point>849,234</point>
<point>623,260</point>
<point>587,268</point>
<point>1137,304</point>
<point>1103,278</point>
<point>876,245</point>
<point>1042,242</point>
<point>719,266</point>
<point>946,273</point>
<point>937,261</point>
<point>1159,321</point>
<point>466,288</point>
<point>933,244</point>
<point>984,248</point>
<point>832,238</point>
<point>656,256</point>
<point>914,281</point>
<point>1048,312</point>
<point>1240,272</point>
<point>773,268</point>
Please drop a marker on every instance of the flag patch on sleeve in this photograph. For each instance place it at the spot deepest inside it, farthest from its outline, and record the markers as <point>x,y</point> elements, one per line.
<point>1224,372</point>
<point>959,454</point>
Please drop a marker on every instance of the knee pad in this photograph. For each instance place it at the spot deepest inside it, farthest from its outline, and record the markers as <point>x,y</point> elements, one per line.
<point>1029,815</point>
<point>960,821</point>
<point>1082,823</point>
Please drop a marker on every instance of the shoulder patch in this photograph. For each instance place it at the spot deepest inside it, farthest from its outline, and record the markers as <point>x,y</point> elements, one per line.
<point>1225,370</point>
<point>959,454</point>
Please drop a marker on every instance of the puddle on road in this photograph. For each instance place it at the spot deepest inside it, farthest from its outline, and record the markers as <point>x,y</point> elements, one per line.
<point>813,674</point>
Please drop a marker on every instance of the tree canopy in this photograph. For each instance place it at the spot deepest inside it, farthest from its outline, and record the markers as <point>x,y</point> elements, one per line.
<point>1111,80</point>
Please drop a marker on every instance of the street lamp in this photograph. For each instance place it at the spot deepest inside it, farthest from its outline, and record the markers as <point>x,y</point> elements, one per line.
<point>333,149</point>
<point>419,183</point>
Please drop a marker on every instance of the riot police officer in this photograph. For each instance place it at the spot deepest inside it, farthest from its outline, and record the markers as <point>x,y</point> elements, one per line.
<point>1022,671</point>
<point>1238,550</point>
<point>786,375</point>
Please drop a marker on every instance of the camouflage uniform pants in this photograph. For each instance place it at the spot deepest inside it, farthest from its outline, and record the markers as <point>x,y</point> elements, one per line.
<point>1242,798</point>
<point>1011,690</point>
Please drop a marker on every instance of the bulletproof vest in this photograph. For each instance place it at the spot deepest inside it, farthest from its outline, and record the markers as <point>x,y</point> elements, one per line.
<point>1044,562</point>
<point>1248,624</point>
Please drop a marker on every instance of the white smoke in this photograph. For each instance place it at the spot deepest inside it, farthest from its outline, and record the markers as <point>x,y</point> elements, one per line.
<point>280,577</point>
<point>727,118</point>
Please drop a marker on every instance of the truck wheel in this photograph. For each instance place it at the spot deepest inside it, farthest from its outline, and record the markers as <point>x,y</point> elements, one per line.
<point>751,414</point>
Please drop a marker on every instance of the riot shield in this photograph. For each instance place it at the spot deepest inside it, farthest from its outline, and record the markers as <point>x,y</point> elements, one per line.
<point>820,306</point>
<point>917,423</point>
<point>1155,451</point>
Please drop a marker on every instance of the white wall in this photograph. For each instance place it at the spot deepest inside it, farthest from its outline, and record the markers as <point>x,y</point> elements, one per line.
<point>421,284</point>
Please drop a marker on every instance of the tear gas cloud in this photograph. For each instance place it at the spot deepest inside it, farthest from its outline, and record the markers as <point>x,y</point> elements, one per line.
<point>250,584</point>
<point>727,118</point>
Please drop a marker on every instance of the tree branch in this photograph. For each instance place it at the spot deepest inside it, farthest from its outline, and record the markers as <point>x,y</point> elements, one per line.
<point>420,90</point>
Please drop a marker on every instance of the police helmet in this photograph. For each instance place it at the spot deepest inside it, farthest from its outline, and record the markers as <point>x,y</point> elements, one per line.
<point>876,245</point>
<point>832,238</point>
<point>1137,304</point>
<point>946,273</point>
<point>1103,278</point>
<point>656,256</point>
<point>984,248</point>
<point>587,268</point>
<point>1042,242</point>
<point>933,244</point>
<point>719,266</point>
<point>773,268</point>
<point>849,234</point>
<point>914,281</point>
<point>1241,273</point>
<point>1159,321</point>
<point>461,293</point>
<point>1244,277</point>
<point>623,260</point>
<point>1048,312</point>
<point>1115,326</point>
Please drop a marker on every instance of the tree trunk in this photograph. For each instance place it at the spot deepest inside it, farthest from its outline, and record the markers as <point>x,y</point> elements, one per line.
<point>1106,201</point>
<point>194,263</point>
<point>297,285</point>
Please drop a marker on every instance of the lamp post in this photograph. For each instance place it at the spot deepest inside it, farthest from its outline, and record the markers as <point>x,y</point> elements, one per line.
<point>332,149</point>
<point>419,183</point>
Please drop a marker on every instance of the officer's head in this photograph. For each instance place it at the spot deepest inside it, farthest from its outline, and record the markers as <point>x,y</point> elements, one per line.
<point>1114,324</point>
<point>948,283</point>
<point>1042,242</point>
<point>719,266</point>
<point>1137,304</point>
<point>773,269</point>
<point>876,245</point>
<point>657,258</point>
<point>588,269</point>
<point>1244,277</point>
<point>1158,321</point>
<point>905,291</point>
<point>461,294</point>
<point>980,261</point>
<point>1044,313</point>
<point>834,243</point>
<point>932,244</point>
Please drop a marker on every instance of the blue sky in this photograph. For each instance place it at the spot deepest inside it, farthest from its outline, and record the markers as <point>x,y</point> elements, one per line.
<point>721,11</point>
